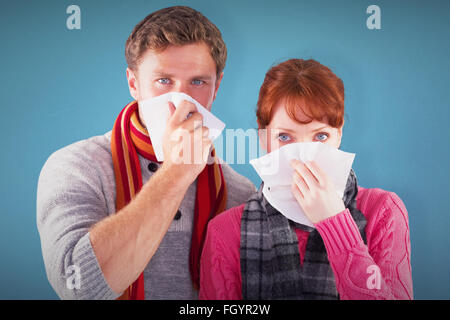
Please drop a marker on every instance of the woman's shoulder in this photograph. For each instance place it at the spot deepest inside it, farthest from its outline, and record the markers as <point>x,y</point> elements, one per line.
<point>381,207</point>
<point>223,238</point>
<point>229,220</point>
<point>374,198</point>
<point>228,223</point>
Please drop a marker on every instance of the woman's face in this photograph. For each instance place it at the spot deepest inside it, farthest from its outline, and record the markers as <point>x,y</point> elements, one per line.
<point>283,130</point>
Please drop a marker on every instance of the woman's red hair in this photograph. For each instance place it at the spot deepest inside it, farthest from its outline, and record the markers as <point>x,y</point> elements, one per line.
<point>304,84</point>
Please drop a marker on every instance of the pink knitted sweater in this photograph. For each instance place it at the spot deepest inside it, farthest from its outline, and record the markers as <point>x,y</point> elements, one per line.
<point>379,270</point>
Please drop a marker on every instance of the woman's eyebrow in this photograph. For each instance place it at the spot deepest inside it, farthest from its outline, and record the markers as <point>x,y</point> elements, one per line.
<point>284,129</point>
<point>293,131</point>
<point>318,129</point>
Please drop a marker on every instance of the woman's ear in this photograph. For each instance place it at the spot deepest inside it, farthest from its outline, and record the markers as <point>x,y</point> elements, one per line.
<point>262,135</point>
<point>133,84</point>
<point>340,135</point>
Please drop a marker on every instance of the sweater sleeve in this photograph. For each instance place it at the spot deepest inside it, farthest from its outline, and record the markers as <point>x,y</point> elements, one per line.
<point>220,277</point>
<point>69,201</point>
<point>379,270</point>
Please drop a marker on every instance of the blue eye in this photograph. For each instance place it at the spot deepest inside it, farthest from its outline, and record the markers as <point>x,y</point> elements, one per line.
<point>197,82</point>
<point>283,137</point>
<point>164,81</point>
<point>322,136</point>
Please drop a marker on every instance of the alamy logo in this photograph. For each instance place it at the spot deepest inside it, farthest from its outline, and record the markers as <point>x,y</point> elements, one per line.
<point>374,20</point>
<point>374,280</point>
<point>74,20</point>
<point>73,280</point>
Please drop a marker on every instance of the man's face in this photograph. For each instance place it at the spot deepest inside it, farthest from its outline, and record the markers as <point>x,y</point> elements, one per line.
<point>189,69</point>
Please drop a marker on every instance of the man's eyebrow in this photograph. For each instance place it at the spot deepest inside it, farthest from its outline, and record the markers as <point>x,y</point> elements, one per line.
<point>162,74</point>
<point>202,77</point>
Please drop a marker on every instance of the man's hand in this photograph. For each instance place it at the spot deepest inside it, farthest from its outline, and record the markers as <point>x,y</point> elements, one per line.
<point>125,242</point>
<point>186,145</point>
<point>314,191</point>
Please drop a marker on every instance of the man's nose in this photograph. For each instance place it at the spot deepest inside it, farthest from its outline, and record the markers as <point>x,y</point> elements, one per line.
<point>182,87</point>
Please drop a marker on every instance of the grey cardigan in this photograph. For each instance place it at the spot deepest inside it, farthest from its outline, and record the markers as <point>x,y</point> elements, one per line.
<point>76,189</point>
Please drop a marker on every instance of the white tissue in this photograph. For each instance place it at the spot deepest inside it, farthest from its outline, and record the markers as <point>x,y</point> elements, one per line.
<point>277,174</point>
<point>155,112</point>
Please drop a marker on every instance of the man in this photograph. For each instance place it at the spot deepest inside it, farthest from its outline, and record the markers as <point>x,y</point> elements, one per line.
<point>115,223</point>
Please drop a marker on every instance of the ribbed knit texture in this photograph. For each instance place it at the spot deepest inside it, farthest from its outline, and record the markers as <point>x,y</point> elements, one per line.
<point>339,233</point>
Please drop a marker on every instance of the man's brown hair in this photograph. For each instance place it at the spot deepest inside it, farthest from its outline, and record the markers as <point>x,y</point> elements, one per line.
<point>178,25</point>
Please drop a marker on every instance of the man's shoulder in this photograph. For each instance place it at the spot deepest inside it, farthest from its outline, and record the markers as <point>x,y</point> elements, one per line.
<point>91,150</point>
<point>235,179</point>
<point>239,188</point>
<point>83,159</point>
<point>81,172</point>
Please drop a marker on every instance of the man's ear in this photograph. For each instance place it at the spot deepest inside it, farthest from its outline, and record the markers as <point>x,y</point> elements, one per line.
<point>218,80</point>
<point>133,84</point>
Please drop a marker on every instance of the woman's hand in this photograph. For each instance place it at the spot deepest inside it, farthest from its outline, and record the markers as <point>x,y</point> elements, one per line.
<point>315,192</point>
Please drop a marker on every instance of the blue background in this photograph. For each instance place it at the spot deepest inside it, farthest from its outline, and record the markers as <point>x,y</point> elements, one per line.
<point>59,86</point>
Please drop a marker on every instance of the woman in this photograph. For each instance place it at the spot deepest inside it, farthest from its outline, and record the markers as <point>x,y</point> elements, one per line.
<point>360,246</point>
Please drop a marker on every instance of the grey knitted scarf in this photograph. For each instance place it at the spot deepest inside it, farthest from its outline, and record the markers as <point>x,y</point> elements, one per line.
<point>270,260</point>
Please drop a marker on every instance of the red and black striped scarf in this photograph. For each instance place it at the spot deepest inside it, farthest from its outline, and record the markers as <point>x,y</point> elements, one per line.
<point>130,139</point>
